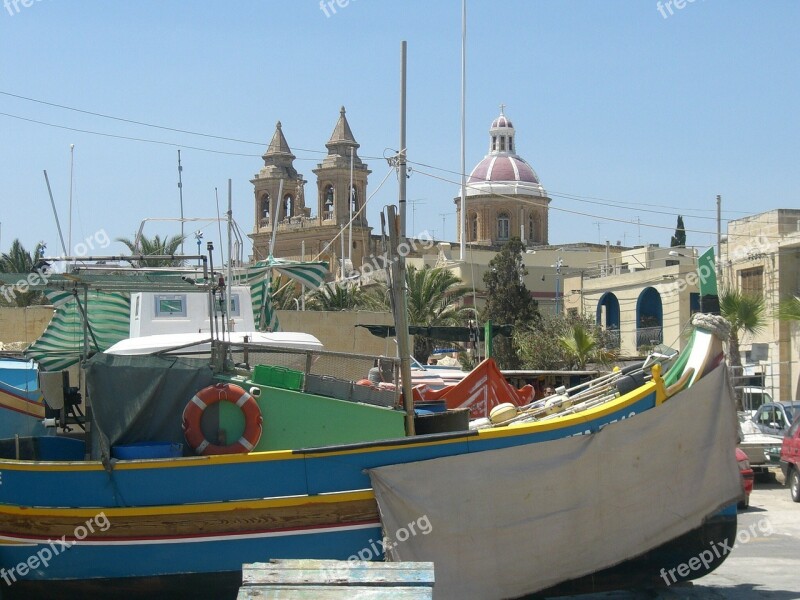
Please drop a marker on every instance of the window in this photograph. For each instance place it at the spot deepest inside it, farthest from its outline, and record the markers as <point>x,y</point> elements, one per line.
<point>136,306</point>
<point>503,226</point>
<point>533,235</point>
<point>494,142</point>
<point>752,281</point>
<point>510,144</point>
<point>473,227</point>
<point>170,305</point>
<point>502,143</point>
<point>354,198</point>
<point>265,206</point>
<point>288,206</point>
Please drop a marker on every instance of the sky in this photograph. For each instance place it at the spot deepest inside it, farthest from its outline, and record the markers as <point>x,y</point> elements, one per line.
<point>630,112</point>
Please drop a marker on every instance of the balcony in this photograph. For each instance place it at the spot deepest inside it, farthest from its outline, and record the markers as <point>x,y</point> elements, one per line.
<point>647,337</point>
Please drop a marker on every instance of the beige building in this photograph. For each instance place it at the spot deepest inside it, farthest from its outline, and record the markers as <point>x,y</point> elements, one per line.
<point>761,255</point>
<point>646,295</point>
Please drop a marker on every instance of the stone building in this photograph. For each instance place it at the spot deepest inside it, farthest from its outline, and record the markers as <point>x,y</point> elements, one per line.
<point>504,197</point>
<point>299,234</point>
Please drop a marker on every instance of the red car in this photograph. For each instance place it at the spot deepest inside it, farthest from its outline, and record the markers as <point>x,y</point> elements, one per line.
<point>747,477</point>
<point>790,459</point>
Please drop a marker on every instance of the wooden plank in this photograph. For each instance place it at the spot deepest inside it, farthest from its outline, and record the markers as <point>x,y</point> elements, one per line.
<point>307,592</point>
<point>335,572</point>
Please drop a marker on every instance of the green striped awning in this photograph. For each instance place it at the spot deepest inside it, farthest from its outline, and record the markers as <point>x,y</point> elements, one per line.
<point>310,274</point>
<point>61,344</point>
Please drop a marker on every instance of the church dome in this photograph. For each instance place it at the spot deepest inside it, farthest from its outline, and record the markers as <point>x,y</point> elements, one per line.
<point>502,170</point>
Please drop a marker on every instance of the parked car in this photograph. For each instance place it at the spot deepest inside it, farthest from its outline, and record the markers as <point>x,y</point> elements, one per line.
<point>774,418</point>
<point>747,477</point>
<point>790,459</point>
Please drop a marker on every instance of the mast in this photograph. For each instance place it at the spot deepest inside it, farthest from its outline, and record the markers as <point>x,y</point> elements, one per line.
<point>71,169</point>
<point>462,225</point>
<point>229,277</point>
<point>180,193</point>
<point>402,158</point>
<point>398,267</point>
<point>350,224</point>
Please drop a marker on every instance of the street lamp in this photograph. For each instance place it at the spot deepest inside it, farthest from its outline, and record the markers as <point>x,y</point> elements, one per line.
<point>557,266</point>
<point>198,235</point>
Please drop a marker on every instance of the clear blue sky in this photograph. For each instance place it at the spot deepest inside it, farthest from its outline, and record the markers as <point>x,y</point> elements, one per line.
<point>610,100</point>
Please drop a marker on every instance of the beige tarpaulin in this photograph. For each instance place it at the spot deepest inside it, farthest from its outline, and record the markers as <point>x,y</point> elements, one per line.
<point>509,522</point>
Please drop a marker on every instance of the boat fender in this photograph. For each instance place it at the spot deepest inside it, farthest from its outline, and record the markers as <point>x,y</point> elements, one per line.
<point>222,392</point>
<point>255,392</point>
<point>502,413</point>
<point>628,383</point>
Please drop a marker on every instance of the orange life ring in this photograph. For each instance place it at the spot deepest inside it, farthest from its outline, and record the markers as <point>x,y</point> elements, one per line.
<point>213,394</point>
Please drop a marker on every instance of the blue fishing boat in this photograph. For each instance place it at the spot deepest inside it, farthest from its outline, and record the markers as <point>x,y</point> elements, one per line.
<point>22,407</point>
<point>191,467</point>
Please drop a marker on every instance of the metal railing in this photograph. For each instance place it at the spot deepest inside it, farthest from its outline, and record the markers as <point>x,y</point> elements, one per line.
<point>649,336</point>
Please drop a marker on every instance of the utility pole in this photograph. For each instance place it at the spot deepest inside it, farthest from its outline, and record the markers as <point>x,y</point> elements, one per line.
<point>462,224</point>
<point>719,239</point>
<point>403,155</point>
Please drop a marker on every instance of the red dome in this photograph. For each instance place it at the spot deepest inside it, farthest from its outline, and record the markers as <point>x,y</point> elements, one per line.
<point>504,167</point>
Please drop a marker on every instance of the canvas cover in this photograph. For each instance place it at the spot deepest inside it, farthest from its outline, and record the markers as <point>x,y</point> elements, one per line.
<point>140,398</point>
<point>509,522</point>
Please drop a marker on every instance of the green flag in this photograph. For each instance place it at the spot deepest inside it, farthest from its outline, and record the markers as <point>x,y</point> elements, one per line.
<point>707,273</point>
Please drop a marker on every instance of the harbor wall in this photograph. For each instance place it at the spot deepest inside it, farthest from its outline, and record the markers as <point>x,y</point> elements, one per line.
<point>338,331</point>
<point>23,325</point>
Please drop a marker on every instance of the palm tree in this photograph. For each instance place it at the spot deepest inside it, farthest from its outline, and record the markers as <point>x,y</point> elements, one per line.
<point>789,310</point>
<point>747,315</point>
<point>284,295</point>
<point>154,247</point>
<point>581,345</point>
<point>19,260</point>
<point>337,297</point>
<point>434,298</point>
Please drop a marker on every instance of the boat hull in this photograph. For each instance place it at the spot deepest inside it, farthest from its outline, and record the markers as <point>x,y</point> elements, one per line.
<point>641,572</point>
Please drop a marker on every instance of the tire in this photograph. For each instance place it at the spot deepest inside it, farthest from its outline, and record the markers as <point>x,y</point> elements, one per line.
<point>794,484</point>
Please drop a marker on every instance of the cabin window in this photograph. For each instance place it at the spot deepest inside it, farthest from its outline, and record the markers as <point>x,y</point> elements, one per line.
<point>170,305</point>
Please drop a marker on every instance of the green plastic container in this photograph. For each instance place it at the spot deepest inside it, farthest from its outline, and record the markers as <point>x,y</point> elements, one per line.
<point>279,377</point>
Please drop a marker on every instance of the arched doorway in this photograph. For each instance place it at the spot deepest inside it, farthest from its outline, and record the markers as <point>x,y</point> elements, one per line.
<point>649,319</point>
<point>608,316</point>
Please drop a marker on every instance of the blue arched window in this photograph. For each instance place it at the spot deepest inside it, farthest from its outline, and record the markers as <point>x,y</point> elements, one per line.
<point>649,318</point>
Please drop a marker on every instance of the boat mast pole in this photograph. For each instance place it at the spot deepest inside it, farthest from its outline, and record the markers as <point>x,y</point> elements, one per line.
<point>398,266</point>
<point>401,159</point>
<point>230,260</point>
<point>71,169</point>
<point>180,193</point>
<point>462,228</point>
<point>350,223</point>
<point>55,213</point>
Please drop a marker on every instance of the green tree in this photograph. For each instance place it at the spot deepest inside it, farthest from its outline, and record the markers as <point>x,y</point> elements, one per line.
<point>155,246</point>
<point>679,239</point>
<point>582,344</point>
<point>284,294</point>
<point>508,300</point>
<point>19,260</point>
<point>789,309</point>
<point>434,298</point>
<point>562,342</point>
<point>746,314</point>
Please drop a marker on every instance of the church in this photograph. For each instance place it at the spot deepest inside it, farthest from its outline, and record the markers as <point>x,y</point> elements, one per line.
<point>504,199</point>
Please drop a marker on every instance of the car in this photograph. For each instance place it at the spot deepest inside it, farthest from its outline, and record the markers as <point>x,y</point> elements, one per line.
<point>747,477</point>
<point>790,459</point>
<point>774,418</point>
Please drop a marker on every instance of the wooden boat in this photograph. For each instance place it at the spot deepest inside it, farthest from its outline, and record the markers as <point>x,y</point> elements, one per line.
<point>22,407</point>
<point>305,490</point>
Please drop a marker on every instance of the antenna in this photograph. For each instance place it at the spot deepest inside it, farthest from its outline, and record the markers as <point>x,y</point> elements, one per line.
<point>180,195</point>
<point>599,236</point>
<point>444,228</point>
<point>413,204</point>
<point>55,214</point>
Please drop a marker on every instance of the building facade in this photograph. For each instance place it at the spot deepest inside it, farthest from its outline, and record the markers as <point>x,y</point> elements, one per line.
<point>318,231</point>
<point>504,197</point>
